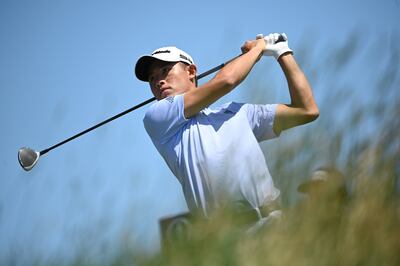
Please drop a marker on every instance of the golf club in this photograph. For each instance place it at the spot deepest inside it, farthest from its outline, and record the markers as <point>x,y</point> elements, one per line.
<point>28,157</point>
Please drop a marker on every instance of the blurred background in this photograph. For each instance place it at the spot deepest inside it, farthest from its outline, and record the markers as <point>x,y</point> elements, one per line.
<point>67,65</point>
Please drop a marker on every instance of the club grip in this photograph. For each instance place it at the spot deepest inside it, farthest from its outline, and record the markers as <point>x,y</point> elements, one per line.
<point>280,38</point>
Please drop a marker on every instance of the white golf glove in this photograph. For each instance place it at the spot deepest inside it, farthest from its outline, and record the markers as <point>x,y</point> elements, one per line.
<point>276,44</point>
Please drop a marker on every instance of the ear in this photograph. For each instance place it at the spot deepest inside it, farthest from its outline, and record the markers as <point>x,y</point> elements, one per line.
<point>192,69</point>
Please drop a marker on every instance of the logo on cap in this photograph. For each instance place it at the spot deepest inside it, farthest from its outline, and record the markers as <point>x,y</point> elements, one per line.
<point>161,52</point>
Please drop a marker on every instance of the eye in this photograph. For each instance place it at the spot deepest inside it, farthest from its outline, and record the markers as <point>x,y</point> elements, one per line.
<point>166,69</point>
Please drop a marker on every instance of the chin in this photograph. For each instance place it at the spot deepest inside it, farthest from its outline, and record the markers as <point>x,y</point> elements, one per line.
<point>165,95</point>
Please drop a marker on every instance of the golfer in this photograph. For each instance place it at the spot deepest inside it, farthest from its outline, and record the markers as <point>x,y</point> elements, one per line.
<point>215,152</point>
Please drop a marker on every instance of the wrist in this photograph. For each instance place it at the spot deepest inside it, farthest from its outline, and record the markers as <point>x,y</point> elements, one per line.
<point>260,53</point>
<point>261,45</point>
<point>282,52</point>
<point>286,59</point>
<point>257,50</point>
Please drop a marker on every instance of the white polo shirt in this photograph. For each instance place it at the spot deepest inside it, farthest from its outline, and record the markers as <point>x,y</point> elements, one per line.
<point>215,154</point>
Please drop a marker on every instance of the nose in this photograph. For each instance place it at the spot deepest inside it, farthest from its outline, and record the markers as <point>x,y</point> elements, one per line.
<point>160,83</point>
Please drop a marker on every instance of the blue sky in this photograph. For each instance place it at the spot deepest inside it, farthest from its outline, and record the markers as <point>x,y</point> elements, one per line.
<point>67,65</point>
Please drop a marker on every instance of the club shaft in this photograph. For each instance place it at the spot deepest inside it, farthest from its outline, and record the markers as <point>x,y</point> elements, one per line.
<point>98,125</point>
<point>208,72</point>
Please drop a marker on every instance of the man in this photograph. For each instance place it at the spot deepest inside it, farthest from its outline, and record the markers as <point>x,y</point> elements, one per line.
<point>214,153</point>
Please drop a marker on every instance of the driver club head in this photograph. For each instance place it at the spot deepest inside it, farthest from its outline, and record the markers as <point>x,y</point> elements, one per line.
<point>28,158</point>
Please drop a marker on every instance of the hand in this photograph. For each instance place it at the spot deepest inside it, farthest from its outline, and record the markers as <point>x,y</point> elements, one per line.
<point>275,44</point>
<point>258,44</point>
<point>248,45</point>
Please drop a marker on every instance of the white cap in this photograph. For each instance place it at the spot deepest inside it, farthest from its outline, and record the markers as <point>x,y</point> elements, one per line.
<point>166,54</point>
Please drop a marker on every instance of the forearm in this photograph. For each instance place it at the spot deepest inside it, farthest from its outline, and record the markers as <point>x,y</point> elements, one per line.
<point>237,70</point>
<point>227,79</point>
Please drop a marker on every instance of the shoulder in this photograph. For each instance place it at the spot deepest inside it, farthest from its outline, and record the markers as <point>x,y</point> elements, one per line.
<point>165,117</point>
<point>261,108</point>
<point>249,108</point>
<point>234,107</point>
<point>164,107</point>
<point>167,102</point>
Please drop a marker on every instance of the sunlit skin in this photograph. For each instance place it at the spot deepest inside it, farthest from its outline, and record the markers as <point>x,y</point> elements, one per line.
<point>169,79</point>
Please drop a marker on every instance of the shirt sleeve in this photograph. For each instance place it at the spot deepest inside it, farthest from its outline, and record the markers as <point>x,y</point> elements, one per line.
<point>165,118</point>
<point>261,119</point>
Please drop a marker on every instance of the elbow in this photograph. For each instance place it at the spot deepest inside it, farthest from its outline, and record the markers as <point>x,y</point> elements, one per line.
<point>312,114</point>
<point>228,81</point>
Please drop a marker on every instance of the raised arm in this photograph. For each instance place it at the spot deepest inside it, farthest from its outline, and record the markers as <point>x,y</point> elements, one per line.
<point>226,80</point>
<point>303,108</point>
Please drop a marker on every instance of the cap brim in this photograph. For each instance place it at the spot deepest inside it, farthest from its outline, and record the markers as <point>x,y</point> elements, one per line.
<point>142,67</point>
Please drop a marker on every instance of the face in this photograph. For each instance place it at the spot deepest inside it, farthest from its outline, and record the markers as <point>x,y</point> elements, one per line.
<point>168,79</point>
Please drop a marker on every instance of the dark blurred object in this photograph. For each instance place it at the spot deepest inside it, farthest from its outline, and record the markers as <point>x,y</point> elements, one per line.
<point>325,179</point>
<point>174,230</point>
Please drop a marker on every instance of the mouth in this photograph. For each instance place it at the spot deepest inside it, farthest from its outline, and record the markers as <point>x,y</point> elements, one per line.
<point>164,92</point>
